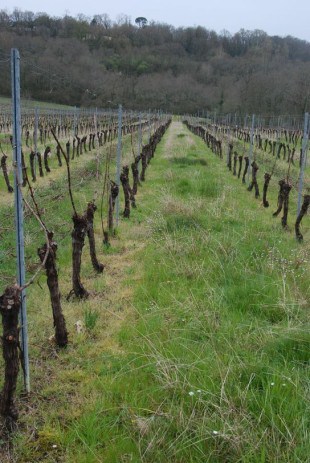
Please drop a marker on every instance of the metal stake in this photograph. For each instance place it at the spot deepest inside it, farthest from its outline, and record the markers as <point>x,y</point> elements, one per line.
<point>118,161</point>
<point>74,122</point>
<point>139,135</point>
<point>35,141</point>
<point>303,161</point>
<point>228,142</point>
<point>251,145</point>
<point>139,140</point>
<point>19,216</point>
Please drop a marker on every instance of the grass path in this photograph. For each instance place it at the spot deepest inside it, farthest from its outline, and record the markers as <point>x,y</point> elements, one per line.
<point>200,350</point>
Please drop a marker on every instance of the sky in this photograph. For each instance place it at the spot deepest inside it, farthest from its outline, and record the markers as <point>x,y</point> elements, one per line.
<point>276,17</point>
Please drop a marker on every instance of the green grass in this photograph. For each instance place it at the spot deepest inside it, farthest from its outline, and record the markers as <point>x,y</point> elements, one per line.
<point>201,348</point>
<point>27,103</point>
<point>90,319</point>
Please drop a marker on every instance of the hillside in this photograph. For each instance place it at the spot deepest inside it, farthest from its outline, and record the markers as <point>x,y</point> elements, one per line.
<point>95,62</point>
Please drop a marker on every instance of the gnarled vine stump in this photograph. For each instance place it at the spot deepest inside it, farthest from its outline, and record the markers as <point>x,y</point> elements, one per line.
<point>144,162</point>
<point>61,334</point>
<point>286,192</point>
<point>58,153</point>
<point>280,198</point>
<point>24,170</point>
<point>235,163</point>
<point>32,167</point>
<point>9,308</point>
<point>229,161</point>
<point>240,157</point>
<point>135,174</point>
<point>5,173</point>
<point>267,178</point>
<point>247,162</point>
<point>126,189</point>
<point>114,190</point>
<point>39,157</point>
<point>45,156</point>
<point>303,211</point>
<point>73,148</point>
<point>90,212</point>
<point>78,240</point>
<point>254,179</point>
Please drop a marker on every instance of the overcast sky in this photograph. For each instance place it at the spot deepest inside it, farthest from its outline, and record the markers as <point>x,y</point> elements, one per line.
<point>276,17</point>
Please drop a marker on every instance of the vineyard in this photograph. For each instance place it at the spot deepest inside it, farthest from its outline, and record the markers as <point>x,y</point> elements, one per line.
<point>166,280</point>
<point>280,151</point>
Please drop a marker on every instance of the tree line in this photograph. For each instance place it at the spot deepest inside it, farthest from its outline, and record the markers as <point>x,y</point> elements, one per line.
<point>94,61</point>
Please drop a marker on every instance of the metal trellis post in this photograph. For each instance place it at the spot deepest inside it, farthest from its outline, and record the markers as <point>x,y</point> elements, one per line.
<point>149,126</point>
<point>19,215</point>
<point>139,135</point>
<point>74,122</point>
<point>303,161</point>
<point>139,140</point>
<point>118,161</point>
<point>35,141</point>
<point>228,142</point>
<point>251,145</point>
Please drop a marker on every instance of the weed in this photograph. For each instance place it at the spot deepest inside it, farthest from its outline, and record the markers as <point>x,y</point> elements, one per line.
<point>90,318</point>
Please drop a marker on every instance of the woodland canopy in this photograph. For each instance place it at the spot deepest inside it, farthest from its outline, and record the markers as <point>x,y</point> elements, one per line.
<point>99,62</point>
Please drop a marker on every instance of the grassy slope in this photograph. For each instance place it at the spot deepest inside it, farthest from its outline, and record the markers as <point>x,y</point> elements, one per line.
<point>7,102</point>
<point>199,353</point>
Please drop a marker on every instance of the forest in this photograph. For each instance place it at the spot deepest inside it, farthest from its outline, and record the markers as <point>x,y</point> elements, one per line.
<point>95,61</point>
